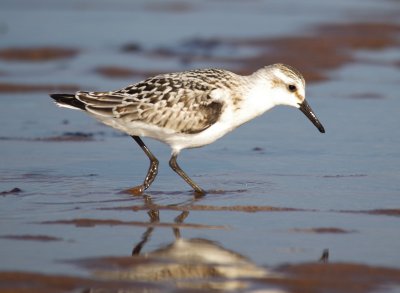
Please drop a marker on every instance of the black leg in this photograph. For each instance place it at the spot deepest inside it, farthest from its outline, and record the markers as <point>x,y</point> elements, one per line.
<point>153,169</point>
<point>174,165</point>
<point>179,220</point>
<point>325,256</point>
<point>154,218</point>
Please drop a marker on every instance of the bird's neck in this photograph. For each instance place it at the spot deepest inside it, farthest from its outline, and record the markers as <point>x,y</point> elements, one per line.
<point>258,96</point>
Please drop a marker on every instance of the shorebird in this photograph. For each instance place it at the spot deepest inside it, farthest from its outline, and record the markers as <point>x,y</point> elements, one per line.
<point>192,108</point>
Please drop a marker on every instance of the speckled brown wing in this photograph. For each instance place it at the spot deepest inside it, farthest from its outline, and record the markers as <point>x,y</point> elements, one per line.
<point>181,102</point>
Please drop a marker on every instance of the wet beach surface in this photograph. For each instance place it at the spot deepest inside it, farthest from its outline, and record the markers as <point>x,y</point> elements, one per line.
<point>288,209</point>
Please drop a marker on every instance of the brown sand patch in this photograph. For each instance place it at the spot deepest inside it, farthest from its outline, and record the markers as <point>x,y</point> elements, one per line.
<point>329,47</point>
<point>322,230</point>
<point>388,212</point>
<point>43,238</point>
<point>209,191</point>
<point>246,209</point>
<point>37,54</point>
<point>84,222</point>
<point>385,212</point>
<point>301,278</point>
<point>24,282</point>
<point>325,48</point>
<point>335,278</point>
<point>15,190</point>
<point>6,87</point>
<point>115,72</point>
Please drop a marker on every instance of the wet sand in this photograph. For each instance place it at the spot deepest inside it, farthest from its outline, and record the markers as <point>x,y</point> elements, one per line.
<point>309,277</point>
<point>36,54</point>
<point>288,210</point>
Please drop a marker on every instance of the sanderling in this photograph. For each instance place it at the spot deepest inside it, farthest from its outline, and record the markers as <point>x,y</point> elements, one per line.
<point>192,108</point>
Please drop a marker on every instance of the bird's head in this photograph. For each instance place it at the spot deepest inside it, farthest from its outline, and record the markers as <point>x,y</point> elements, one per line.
<point>288,87</point>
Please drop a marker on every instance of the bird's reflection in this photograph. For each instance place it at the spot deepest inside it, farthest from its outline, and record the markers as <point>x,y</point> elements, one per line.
<point>189,263</point>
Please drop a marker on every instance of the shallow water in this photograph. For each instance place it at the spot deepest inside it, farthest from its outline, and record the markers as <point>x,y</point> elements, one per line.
<point>280,192</point>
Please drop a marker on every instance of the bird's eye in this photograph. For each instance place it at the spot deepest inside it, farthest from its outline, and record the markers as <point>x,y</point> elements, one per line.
<point>292,88</point>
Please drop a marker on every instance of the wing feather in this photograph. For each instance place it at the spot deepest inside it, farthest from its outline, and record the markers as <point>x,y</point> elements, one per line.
<point>183,102</point>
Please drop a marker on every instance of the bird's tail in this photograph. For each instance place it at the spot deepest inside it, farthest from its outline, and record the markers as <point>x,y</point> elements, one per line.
<point>68,101</point>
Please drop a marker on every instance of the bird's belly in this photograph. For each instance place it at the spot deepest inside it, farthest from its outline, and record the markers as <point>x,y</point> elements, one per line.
<point>181,141</point>
<point>177,141</point>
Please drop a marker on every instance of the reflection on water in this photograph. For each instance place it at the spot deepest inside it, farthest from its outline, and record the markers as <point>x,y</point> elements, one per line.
<point>325,256</point>
<point>189,263</point>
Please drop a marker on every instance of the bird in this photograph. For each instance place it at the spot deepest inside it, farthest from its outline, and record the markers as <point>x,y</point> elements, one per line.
<point>191,109</point>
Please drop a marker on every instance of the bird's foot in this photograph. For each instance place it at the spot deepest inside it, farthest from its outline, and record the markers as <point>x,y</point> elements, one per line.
<point>199,193</point>
<point>137,190</point>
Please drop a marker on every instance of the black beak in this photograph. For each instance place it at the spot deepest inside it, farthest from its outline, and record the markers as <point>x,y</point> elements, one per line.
<point>306,109</point>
